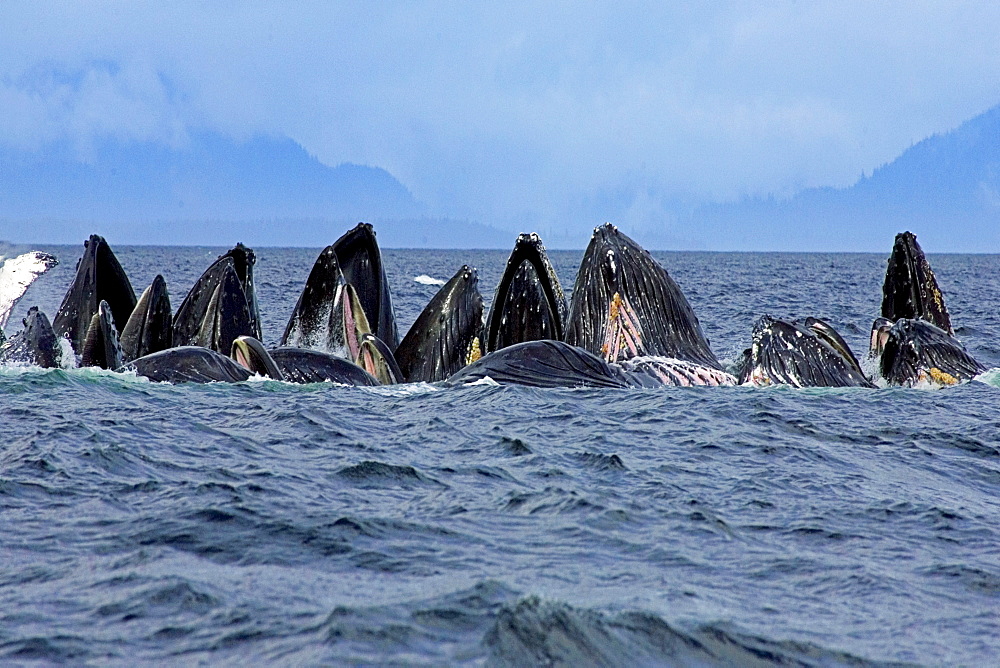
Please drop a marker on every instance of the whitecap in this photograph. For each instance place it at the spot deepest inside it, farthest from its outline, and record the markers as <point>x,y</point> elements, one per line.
<point>401,390</point>
<point>989,377</point>
<point>424,279</point>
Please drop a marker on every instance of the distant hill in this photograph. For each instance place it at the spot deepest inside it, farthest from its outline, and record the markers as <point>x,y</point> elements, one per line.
<point>210,178</point>
<point>270,191</point>
<point>945,188</point>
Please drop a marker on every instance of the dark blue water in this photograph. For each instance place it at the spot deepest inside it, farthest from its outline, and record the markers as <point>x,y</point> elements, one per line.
<point>147,523</point>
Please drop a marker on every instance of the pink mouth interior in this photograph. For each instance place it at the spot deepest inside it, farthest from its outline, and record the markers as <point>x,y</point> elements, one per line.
<point>242,360</point>
<point>368,362</point>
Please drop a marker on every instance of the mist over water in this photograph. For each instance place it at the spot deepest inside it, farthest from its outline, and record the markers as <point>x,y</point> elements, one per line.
<point>322,524</point>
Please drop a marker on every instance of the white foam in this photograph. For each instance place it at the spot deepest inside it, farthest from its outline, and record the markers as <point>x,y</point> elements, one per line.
<point>67,357</point>
<point>424,279</point>
<point>402,390</point>
<point>989,377</point>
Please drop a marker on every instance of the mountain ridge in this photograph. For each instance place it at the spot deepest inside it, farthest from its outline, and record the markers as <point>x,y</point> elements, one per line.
<point>945,188</point>
<point>211,176</point>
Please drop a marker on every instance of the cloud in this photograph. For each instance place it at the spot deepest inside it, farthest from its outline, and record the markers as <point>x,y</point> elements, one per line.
<point>79,103</point>
<point>521,113</point>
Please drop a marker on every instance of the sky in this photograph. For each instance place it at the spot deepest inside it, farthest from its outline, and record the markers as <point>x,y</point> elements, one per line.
<point>516,114</point>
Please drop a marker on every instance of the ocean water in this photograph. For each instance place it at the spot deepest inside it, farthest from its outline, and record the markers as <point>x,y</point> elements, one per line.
<point>143,523</point>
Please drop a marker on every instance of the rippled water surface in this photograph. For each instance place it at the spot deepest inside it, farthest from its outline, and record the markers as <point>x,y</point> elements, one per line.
<point>149,523</point>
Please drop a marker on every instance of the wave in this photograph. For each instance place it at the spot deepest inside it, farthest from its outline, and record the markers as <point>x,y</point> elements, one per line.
<point>491,624</point>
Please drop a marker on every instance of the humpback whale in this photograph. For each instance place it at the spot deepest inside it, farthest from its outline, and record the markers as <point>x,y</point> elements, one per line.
<point>914,339</point>
<point>16,276</point>
<point>625,304</point>
<point>629,325</point>
<point>150,327</point>
<point>99,277</point>
<point>101,347</point>
<point>915,351</point>
<point>361,264</point>
<point>787,353</point>
<point>35,345</point>
<point>298,365</point>
<point>221,305</point>
<point>528,303</point>
<point>910,289</point>
<point>328,316</point>
<point>447,334</point>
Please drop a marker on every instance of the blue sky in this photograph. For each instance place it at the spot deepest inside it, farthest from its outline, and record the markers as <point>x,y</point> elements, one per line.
<point>517,114</point>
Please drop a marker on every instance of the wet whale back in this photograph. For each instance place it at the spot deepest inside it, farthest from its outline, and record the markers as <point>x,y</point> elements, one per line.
<point>99,277</point>
<point>910,289</point>
<point>447,333</point>
<point>662,321</point>
<point>189,364</point>
<point>302,365</point>
<point>528,303</point>
<point>361,263</point>
<point>544,363</point>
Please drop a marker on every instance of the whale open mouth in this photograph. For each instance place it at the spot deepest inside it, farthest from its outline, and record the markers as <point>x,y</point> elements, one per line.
<point>221,305</point>
<point>879,336</point>
<point>99,277</point>
<point>916,351</point>
<point>785,352</point>
<point>251,354</point>
<point>360,262</point>
<point>653,316</point>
